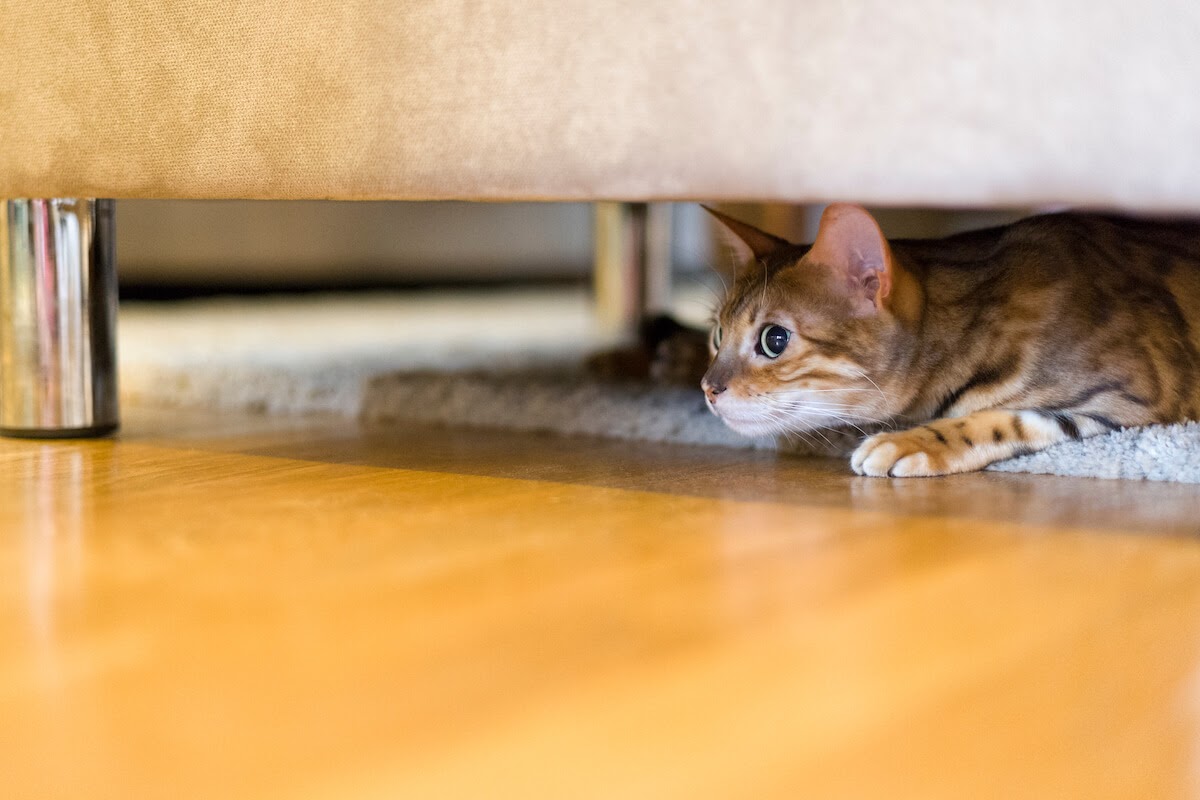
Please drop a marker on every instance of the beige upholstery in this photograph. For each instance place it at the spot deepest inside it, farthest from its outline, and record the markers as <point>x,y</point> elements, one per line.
<point>924,101</point>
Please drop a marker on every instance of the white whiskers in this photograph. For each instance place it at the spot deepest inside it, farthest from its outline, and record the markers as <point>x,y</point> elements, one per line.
<point>790,407</point>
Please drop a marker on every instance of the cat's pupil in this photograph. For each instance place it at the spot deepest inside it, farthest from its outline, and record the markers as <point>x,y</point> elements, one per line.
<point>773,340</point>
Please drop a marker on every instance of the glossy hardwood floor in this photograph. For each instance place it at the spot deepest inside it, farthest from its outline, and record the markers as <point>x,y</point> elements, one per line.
<point>214,607</point>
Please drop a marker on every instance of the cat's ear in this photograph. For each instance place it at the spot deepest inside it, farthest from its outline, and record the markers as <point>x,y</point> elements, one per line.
<point>850,243</point>
<point>748,242</point>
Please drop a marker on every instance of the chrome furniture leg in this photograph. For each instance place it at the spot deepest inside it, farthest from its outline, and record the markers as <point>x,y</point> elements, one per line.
<point>58,311</point>
<point>632,264</point>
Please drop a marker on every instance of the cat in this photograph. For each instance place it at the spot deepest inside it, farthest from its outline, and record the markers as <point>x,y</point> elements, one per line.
<point>960,351</point>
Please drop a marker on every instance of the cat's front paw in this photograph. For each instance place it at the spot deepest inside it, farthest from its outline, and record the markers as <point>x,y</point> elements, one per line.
<point>916,453</point>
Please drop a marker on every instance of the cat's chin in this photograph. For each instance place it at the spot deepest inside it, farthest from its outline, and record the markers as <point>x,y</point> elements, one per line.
<point>749,419</point>
<point>751,427</point>
<point>756,427</point>
<point>767,429</point>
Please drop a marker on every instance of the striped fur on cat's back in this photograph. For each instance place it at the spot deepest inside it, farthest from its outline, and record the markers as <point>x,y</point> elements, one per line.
<point>965,350</point>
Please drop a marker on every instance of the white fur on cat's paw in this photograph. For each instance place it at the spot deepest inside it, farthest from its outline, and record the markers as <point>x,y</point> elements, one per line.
<point>894,455</point>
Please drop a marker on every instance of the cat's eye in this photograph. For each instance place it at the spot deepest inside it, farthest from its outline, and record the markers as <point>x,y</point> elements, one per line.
<point>715,339</point>
<point>773,340</point>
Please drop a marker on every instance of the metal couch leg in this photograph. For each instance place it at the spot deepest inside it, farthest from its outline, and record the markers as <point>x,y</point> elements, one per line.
<point>58,310</point>
<point>632,264</point>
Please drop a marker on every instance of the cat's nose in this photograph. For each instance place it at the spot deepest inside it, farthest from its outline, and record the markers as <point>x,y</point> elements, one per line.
<point>711,390</point>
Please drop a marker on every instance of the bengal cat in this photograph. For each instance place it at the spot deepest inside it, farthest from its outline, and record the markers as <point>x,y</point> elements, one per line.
<point>961,351</point>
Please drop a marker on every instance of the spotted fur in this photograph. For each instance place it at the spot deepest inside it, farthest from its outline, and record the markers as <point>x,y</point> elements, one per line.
<point>959,352</point>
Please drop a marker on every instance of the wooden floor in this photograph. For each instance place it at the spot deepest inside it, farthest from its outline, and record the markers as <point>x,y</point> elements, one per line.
<point>227,608</point>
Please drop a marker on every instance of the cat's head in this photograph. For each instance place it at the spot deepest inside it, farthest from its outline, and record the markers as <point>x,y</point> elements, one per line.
<point>804,338</point>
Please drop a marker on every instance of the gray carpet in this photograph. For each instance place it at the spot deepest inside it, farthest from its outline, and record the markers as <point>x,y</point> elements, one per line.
<point>505,361</point>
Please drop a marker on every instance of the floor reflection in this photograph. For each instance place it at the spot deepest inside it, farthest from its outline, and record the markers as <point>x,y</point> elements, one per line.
<point>57,490</point>
<point>744,475</point>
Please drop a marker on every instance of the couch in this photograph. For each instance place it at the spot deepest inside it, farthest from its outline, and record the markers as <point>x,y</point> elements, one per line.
<point>918,103</point>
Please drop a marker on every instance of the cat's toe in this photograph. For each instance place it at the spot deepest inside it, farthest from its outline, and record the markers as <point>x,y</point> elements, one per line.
<point>875,457</point>
<point>913,465</point>
<point>893,456</point>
